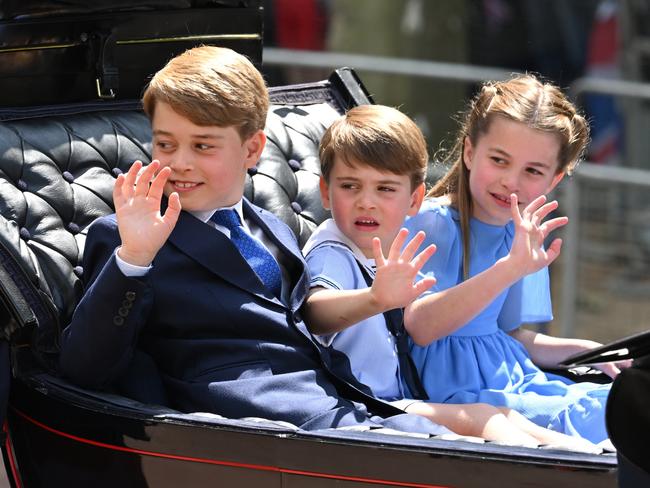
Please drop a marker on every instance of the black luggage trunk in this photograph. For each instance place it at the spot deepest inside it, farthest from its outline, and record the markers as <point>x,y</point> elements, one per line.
<point>108,50</point>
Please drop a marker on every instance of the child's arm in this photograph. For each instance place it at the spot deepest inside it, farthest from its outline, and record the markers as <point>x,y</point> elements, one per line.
<point>328,311</point>
<point>547,351</point>
<point>137,196</point>
<point>439,314</point>
<point>98,344</point>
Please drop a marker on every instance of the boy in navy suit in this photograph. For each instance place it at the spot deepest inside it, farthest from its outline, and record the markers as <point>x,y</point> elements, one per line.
<point>190,276</point>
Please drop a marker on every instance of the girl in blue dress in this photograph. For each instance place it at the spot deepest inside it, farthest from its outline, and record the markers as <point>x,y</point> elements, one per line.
<point>519,138</point>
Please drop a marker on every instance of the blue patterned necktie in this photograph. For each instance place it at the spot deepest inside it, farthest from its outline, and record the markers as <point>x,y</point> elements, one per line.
<point>257,256</point>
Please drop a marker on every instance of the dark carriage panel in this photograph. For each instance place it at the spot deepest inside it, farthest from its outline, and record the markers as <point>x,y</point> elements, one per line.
<point>60,435</point>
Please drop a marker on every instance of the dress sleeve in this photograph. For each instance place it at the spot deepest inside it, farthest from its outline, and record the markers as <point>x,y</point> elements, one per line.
<point>438,224</point>
<point>527,301</point>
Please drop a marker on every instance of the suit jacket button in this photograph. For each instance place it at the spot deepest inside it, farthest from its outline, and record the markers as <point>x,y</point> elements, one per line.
<point>127,304</point>
<point>130,295</point>
<point>297,317</point>
<point>123,312</point>
<point>117,320</point>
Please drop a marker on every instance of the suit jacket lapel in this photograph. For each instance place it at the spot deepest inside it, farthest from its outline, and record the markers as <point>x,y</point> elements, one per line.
<point>213,250</point>
<point>282,237</point>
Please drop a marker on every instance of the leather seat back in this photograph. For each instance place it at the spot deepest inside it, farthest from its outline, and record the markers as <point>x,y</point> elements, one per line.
<point>57,171</point>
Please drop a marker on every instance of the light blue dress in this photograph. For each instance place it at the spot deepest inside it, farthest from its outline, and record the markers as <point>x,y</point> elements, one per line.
<point>480,362</point>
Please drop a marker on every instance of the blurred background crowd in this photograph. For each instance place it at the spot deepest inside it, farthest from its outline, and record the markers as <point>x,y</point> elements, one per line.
<point>597,50</point>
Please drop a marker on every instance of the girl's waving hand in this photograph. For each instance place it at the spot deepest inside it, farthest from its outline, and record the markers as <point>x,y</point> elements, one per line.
<point>528,251</point>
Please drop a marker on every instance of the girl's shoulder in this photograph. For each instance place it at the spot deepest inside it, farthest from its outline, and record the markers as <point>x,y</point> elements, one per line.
<point>440,222</point>
<point>435,213</point>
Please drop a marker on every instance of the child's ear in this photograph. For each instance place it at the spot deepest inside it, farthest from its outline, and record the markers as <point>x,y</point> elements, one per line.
<point>468,152</point>
<point>324,193</point>
<point>417,197</point>
<point>253,147</point>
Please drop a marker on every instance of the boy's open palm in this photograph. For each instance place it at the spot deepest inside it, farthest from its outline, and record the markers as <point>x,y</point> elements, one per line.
<point>530,233</point>
<point>137,196</point>
<point>393,286</point>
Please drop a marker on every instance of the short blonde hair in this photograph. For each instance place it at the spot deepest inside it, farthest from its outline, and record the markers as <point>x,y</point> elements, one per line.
<point>211,86</point>
<point>378,136</point>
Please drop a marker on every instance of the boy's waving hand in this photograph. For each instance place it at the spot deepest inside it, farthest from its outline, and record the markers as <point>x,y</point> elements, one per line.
<point>137,196</point>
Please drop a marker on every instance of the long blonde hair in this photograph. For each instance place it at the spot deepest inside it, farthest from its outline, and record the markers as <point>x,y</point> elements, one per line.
<point>522,98</point>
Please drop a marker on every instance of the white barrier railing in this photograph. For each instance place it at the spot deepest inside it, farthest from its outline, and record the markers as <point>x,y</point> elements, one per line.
<point>475,74</point>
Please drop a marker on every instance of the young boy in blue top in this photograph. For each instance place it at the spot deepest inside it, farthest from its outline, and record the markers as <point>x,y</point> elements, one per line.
<point>373,164</point>
<point>191,280</point>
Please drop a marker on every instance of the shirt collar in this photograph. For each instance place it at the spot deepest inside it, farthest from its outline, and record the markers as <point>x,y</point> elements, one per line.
<point>329,231</point>
<point>204,215</point>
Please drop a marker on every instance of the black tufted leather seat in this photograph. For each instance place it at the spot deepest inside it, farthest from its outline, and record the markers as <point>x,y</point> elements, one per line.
<point>56,176</point>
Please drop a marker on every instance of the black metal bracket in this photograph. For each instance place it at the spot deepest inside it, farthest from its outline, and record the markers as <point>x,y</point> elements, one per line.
<point>107,78</point>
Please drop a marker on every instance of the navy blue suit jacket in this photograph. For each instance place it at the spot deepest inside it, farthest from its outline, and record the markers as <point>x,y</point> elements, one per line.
<point>221,341</point>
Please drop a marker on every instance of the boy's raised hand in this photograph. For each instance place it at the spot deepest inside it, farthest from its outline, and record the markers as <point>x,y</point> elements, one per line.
<point>394,285</point>
<point>137,196</point>
<point>530,232</point>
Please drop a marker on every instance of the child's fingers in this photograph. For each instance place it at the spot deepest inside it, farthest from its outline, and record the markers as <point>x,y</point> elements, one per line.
<point>514,209</point>
<point>173,210</point>
<point>553,250</point>
<point>541,213</point>
<point>143,180</point>
<point>118,197</point>
<point>610,369</point>
<point>423,285</point>
<point>158,183</point>
<point>396,247</point>
<point>624,364</point>
<point>551,225</point>
<point>377,252</point>
<point>413,245</point>
<point>423,257</point>
<point>533,206</point>
<point>129,179</point>
<point>127,184</point>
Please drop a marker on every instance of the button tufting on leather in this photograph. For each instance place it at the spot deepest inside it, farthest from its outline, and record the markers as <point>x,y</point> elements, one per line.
<point>74,148</point>
<point>296,207</point>
<point>54,203</point>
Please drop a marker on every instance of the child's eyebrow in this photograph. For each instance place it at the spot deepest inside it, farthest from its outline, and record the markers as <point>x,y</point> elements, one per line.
<point>207,136</point>
<point>380,182</point>
<point>159,132</point>
<point>540,164</point>
<point>500,151</point>
<point>506,154</point>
